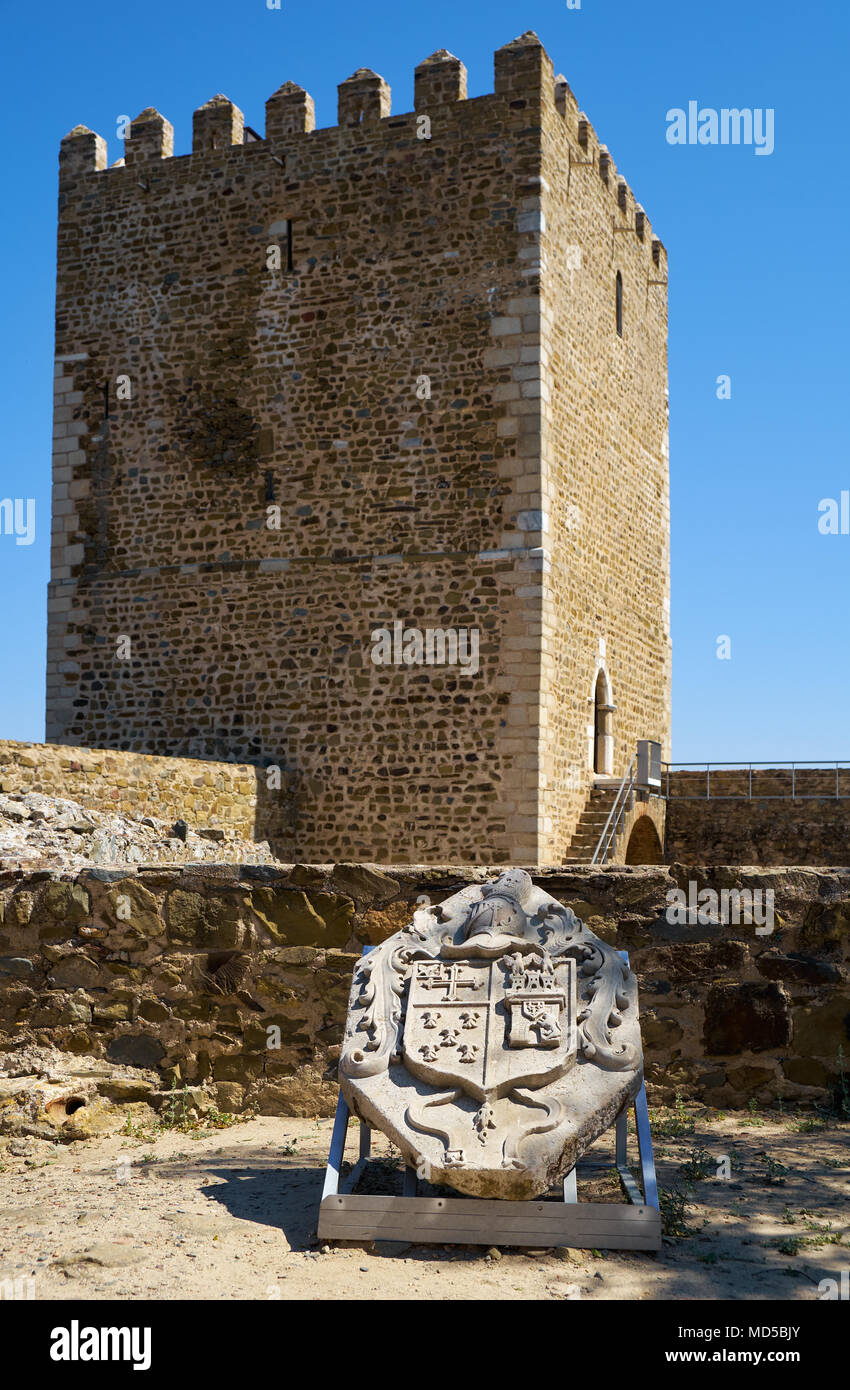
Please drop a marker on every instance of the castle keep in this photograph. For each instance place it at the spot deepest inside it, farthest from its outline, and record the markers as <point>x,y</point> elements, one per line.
<point>410,368</point>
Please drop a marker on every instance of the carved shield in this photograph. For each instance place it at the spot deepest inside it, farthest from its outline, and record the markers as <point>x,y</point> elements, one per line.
<point>492,1039</point>
<point>490,1025</point>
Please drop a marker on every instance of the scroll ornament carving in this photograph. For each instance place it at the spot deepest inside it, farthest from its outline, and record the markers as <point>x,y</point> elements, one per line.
<point>493,1038</point>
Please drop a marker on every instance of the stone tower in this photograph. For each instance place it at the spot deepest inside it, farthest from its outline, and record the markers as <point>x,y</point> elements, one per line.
<point>407,372</point>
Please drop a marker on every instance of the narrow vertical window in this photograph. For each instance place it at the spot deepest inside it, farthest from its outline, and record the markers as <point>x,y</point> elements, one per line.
<point>289,244</point>
<point>619,304</point>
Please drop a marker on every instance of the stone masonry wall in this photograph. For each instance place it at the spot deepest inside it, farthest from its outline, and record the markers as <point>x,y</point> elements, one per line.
<point>814,828</point>
<point>185,971</point>
<point>780,823</point>
<point>204,793</point>
<point>606,483</point>
<point>259,462</point>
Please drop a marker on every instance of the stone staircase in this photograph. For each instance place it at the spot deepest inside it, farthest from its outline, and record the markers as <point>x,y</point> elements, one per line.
<point>593,818</point>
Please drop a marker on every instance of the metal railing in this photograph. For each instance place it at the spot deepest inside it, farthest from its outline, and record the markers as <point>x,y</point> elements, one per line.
<point>608,839</point>
<point>797,775</point>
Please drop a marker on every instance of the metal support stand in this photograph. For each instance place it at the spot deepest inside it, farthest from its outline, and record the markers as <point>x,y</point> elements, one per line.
<point>635,1225</point>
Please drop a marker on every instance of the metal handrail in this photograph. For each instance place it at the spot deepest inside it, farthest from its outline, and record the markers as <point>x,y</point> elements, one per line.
<point>615,815</point>
<point>777,765</point>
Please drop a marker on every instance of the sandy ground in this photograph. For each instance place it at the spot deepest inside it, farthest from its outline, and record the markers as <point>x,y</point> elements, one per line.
<point>231,1214</point>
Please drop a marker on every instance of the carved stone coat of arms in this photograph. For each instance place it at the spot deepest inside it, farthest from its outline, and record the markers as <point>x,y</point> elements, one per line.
<point>493,1039</point>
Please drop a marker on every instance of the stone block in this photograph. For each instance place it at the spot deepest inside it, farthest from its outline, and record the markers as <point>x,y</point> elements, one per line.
<point>150,136</point>
<point>289,111</point>
<point>746,1017</point>
<point>136,1050</point>
<point>295,917</point>
<point>365,883</point>
<point>364,97</point>
<point>819,1031</point>
<point>439,79</point>
<point>205,919</point>
<point>217,125</point>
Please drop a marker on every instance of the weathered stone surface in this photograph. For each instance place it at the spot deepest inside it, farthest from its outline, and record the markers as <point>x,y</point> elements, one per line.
<point>492,1040</point>
<point>62,908</point>
<point>19,908</point>
<point>749,1079</point>
<point>120,1088</point>
<point>132,784</point>
<point>204,919</point>
<point>821,1030</point>
<point>66,902</point>
<point>377,924</point>
<point>49,1095</point>
<point>111,1013</point>
<point>154,1011</point>
<point>695,961</point>
<point>365,883</point>
<point>295,917</point>
<point>661,1032</point>
<point>136,1050</point>
<point>237,1067</point>
<point>307,876</point>
<point>306,1093</point>
<point>14,999</point>
<point>130,904</point>
<point>230,1097</point>
<point>288,915</point>
<point>18,967</point>
<point>74,969</point>
<point>76,1010</point>
<point>296,955</point>
<point>746,1017</point>
<point>290,1028</point>
<point>826,924</point>
<point>807,1071</point>
<point>774,965</point>
<point>98,1116</point>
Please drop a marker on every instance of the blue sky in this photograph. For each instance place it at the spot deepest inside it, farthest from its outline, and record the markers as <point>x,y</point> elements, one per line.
<point>759,289</point>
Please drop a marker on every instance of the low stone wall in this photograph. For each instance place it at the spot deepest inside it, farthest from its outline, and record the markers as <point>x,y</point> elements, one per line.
<point>769,829</point>
<point>772,828</point>
<point>239,976</point>
<point>133,784</point>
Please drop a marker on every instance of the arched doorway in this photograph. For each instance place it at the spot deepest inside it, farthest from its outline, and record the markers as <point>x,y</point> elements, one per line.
<point>603,726</point>
<point>644,845</point>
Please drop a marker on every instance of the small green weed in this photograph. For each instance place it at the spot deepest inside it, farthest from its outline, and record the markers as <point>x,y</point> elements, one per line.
<point>179,1113</point>
<point>674,1210</point>
<point>673,1126</point>
<point>699,1165</point>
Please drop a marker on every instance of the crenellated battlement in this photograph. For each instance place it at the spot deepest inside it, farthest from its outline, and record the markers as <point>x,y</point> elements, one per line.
<point>591,153</point>
<point>524,77</point>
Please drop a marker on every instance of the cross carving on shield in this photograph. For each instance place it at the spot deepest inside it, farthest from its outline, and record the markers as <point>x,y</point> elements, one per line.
<point>449,977</point>
<point>521,1031</point>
